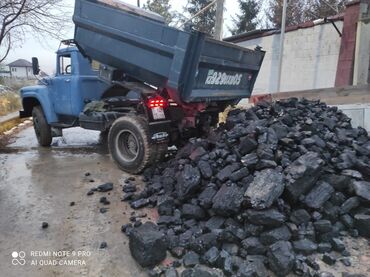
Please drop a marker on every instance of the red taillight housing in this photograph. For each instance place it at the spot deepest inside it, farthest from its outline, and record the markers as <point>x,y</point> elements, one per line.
<point>157,102</point>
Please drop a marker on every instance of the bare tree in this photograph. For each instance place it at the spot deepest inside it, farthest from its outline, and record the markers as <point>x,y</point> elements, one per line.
<point>39,18</point>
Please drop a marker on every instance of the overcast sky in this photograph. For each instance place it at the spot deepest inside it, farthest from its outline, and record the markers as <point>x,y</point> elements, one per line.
<point>45,50</point>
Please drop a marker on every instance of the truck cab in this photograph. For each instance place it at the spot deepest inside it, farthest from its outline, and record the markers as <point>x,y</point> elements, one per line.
<point>63,96</point>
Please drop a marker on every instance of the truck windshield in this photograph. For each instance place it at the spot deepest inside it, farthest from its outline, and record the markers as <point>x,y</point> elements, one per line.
<point>65,67</point>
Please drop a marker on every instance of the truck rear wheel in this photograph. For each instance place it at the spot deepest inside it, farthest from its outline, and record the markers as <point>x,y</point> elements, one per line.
<point>129,144</point>
<point>41,127</point>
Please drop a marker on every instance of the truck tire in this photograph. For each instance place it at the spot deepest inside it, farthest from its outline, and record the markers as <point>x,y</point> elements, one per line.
<point>129,144</point>
<point>41,127</point>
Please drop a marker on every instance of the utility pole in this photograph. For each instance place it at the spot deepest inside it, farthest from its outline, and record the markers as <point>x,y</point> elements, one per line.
<point>219,19</point>
<point>281,50</point>
<point>138,3</point>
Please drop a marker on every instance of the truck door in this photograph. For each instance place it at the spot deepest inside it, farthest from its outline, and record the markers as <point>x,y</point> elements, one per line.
<point>62,85</point>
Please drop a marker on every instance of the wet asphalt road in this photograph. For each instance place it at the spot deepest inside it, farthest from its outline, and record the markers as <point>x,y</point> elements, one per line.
<point>37,185</point>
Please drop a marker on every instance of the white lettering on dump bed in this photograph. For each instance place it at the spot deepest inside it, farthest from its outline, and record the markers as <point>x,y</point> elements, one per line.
<point>222,78</point>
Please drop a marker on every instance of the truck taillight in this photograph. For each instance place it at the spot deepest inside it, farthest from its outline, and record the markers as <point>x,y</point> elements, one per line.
<point>157,102</point>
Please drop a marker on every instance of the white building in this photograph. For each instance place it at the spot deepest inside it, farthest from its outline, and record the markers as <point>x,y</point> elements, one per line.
<point>21,69</point>
<point>4,71</point>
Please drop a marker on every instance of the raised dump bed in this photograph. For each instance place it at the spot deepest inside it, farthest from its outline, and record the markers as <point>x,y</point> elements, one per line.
<point>192,66</point>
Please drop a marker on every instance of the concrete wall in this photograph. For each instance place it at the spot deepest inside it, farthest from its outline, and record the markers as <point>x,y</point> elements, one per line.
<point>309,62</point>
<point>362,56</point>
<point>359,113</point>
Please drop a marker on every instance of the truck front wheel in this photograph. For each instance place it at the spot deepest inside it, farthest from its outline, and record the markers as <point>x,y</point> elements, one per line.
<point>129,144</point>
<point>41,127</point>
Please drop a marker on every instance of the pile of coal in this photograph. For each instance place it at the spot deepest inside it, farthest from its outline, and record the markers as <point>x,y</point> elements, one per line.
<point>267,189</point>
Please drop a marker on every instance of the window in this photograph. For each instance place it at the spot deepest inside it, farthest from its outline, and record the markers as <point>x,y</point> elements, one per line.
<point>14,69</point>
<point>65,67</point>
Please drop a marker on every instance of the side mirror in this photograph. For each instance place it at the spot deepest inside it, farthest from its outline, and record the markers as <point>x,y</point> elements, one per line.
<point>35,66</point>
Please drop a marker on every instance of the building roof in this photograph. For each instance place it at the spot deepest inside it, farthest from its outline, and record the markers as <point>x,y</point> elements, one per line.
<point>268,32</point>
<point>20,63</point>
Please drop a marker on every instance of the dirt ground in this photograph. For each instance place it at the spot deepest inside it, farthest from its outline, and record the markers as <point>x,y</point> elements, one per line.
<point>38,184</point>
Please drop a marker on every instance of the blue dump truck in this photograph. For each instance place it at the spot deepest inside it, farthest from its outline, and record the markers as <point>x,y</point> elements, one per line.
<point>143,84</point>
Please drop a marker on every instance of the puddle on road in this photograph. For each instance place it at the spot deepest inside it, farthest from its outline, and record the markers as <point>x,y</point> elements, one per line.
<point>74,141</point>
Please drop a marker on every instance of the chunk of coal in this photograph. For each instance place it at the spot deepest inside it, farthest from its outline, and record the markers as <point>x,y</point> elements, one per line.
<point>206,196</point>
<point>252,268</point>
<point>90,192</point>
<point>205,169</point>
<point>347,221</point>
<point>103,210</point>
<point>281,258</point>
<point>247,145</point>
<point>362,189</point>
<point>147,245</point>
<point>346,261</point>
<point>211,256</point>
<point>349,204</point>
<point>270,217</point>
<point>203,242</point>
<point>304,246</point>
<point>165,205</point>
<point>324,247</point>
<point>274,235</point>
<point>72,203</point>
<point>44,225</point>
<point>105,187</point>
<point>104,200</point>
<point>339,182</point>
<point>311,262</point>
<point>230,248</point>
<point>266,187</point>
<point>239,174</point>
<point>302,174</point>
<point>190,259</point>
<point>103,245</point>
<point>215,222</point>
<point>188,181</point>
<point>250,160</point>
<point>225,173</point>
<point>228,200</point>
<point>338,244</point>
<point>253,246</point>
<point>329,259</point>
<point>141,203</point>
<point>197,153</point>
<point>192,211</point>
<point>300,216</point>
<point>319,195</point>
<point>362,224</point>
<point>125,228</point>
<point>129,188</point>
<point>323,226</point>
